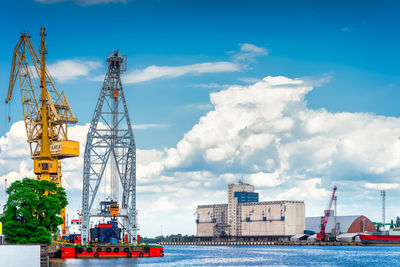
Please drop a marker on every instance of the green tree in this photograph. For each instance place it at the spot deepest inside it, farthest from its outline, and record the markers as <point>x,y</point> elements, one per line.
<point>32,212</point>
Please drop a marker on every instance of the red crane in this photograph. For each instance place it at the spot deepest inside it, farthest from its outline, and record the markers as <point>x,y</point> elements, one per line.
<point>324,219</point>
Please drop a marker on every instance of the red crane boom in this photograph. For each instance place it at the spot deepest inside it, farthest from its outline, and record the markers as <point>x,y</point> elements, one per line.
<point>324,219</point>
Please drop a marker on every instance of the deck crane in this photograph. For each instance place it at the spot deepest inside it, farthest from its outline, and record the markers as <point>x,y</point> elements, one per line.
<point>110,145</point>
<point>46,111</point>
<point>324,219</point>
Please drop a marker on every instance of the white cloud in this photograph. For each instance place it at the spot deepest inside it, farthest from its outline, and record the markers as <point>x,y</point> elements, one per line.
<point>249,79</point>
<point>317,80</point>
<point>262,179</point>
<point>203,106</point>
<point>156,72</point>
<point>267,127</point>
<point>163,204</point>
<point>241,60</point>
<point>264,133</point>
<point>248,52</point>
<point>148,125</point>
<point>253,48</point>
<point>307,189</point>
<point>65,70</point>
<point>381,186</point>
<point>214,86</point>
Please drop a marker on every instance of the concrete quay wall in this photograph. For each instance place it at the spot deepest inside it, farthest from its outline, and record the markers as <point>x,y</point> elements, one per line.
<point>261,243</point>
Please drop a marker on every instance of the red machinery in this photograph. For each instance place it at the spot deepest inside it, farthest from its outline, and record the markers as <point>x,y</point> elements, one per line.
<point>324,219</point>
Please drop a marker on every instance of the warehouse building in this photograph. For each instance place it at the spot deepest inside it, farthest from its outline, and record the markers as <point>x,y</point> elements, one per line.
<point>344,224</point>
<point>246,218</point>
<point>347,228</point>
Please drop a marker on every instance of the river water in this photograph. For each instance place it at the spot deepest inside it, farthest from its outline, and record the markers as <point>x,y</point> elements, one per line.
<point>254,256</point>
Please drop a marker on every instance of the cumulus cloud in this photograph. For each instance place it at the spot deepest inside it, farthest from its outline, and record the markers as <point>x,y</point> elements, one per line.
<point>248,80</point>
<point>156,72</point>
<point>306,189</point>
<point>267,127</point>
<point>163,204</point>
<point>15,159</point>
<point>200,106</point>
<point>381,186</point>
<point>65,70</point>
<point>262,179</point>
<point>265,134</point>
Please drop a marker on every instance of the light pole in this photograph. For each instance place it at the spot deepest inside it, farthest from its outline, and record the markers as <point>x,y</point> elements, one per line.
<point>161,233</point>
<point>383,194</point>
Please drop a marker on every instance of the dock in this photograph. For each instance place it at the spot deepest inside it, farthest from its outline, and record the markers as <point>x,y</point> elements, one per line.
<point>261,243</point>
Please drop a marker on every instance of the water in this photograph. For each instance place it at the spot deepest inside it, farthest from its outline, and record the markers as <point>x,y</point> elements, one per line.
<point>254,256</point>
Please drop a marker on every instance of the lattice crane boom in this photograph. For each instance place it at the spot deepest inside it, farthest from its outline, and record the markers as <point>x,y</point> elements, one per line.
<point>46,111</point>
<point>26,68</point>
<point>324,219</point>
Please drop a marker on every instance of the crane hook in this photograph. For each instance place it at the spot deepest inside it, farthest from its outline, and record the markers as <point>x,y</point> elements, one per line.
<point>9,111</point>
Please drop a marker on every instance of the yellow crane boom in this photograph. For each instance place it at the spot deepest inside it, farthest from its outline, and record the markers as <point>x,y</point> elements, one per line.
<point>46,111</point>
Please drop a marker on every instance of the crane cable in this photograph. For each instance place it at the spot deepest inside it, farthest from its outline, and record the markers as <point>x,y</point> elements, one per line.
<point>9,111</point>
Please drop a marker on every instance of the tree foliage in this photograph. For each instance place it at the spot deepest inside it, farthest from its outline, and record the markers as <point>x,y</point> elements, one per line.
<point>169,238</point>
<point>32,212</point>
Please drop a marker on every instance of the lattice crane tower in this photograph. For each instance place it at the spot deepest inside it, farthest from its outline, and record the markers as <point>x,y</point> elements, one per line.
<point>110,148</point>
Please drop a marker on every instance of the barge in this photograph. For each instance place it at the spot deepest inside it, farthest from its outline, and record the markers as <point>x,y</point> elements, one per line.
<point>105,242</point>
<point>110,251</point>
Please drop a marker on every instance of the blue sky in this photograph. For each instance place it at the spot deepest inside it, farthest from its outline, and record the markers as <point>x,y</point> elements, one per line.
<point>355,44</point>
<point>346,50</point>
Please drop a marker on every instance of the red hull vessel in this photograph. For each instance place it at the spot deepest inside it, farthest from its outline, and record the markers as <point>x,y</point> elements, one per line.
<point>72,252</point>
<point>377,239</point>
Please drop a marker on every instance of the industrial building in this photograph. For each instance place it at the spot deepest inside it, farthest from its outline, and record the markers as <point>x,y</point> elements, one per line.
<point>246,218</point>
<point>347,228</point>
<point>345,224</point>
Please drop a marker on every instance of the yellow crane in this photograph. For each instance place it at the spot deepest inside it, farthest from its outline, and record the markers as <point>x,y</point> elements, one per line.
<point>46,111</point>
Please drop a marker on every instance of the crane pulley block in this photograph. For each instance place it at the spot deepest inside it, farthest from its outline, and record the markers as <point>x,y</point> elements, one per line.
<point>114,210</point>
